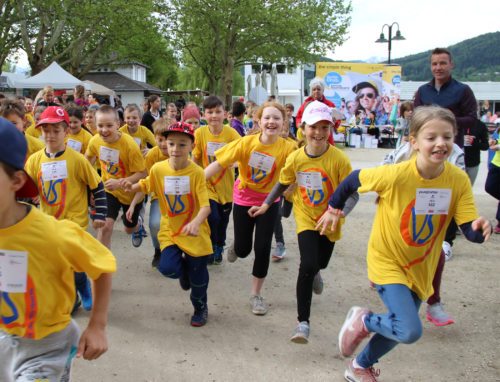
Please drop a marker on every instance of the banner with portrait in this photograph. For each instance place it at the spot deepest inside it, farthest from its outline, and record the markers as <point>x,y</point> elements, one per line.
<point>361,87</point>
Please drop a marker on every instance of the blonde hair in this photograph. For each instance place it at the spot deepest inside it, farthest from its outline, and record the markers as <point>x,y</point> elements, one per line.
<point>276,105</point>
<point>160,126</point>
<point>424,114</point>
<point>47,89</point>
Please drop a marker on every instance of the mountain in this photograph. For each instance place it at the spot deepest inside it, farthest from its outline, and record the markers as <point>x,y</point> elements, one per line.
<point>475,59</point>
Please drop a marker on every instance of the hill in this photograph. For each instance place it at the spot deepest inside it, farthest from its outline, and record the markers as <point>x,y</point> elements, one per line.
<point>476,59</point>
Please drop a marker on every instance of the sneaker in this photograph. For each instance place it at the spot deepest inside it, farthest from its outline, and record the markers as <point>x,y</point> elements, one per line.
<point>318,284</point>
<point>497,229</point>
<point>199,318</point>
<point>353,331</point>
<point>259,306</point>
<point>139,234</point>
<point>279,252</point>
<point>354,374</point>
<point>86,295</point>
<point>448,252</point>
<point>231,255</point>
<point>218,255</point>
<point>156,258</point>
<point>301,335</point>
<point>437,315</point>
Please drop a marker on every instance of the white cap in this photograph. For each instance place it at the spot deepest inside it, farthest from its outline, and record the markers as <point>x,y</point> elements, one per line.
<point>317,111</point>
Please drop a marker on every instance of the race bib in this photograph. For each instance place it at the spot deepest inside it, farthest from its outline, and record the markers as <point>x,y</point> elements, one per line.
<point>109,155</point>
<point>177,185</point>
<point>54,170</point>
<point>212,147</point>
<point>13,271</point>
<point>432,201</point>
<point>310,180</point>
<point>138,141</point>
<point>75,145</point>
<point>261,161</point>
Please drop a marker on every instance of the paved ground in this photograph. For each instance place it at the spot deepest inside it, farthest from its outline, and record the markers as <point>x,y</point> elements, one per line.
<point>151,340</point>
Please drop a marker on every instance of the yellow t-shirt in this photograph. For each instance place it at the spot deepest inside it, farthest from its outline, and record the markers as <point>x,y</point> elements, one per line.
<point>259,164</point>
<point>34,145</point>
<point>31,121</point>
<point>62,184</point>
<point>317,179</point>
<point>33,131</point>
<point>118,160</point>
<point>404,246</point>
<point>54,251</point>
<point>220,186</point>
<point>142,136</point>
<point>80,141</point>
<point>153,156</point>
<point>179,209</point>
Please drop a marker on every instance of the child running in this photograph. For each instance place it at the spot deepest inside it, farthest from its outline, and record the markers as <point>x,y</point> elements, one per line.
<point>78,138</point>
<point>141,134</point>
<point>417,200</point>
<point>209,139</point>
<point>121,161</point>
<point>38,256</point>
<point>260,158</point>
<point>318,168</point>
<point>184,233</point>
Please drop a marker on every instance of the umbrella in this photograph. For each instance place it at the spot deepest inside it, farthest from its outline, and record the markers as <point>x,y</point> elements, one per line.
<point>264,79</point>
<point>274,82</point>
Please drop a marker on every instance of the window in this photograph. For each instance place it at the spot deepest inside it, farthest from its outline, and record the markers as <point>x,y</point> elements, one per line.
<point>256,68</point>
<point>291,69</point>
<point>280,68</point>
<point>267,68</point>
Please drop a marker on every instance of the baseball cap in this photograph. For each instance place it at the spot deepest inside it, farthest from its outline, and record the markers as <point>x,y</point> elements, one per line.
<point>317,111</point>
<point>53,114</point>
<point>13,150</point>
<point>180,127</point>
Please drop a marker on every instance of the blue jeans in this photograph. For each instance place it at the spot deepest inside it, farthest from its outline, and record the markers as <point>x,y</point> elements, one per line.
<point>81,282</point>
<point>172,265</point>
<point>218,221</point>
<point>401,324</point>
<point>154,222</point>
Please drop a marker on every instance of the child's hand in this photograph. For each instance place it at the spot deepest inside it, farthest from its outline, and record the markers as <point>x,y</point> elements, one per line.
<point>144,151</point>
<point>93,343</point>
<point>256,211</point>
<point>130,212</point>
<point>482,224</point>
<point>329,219</point>
<point>126,185</point>
<point>191,229</point>
<point>98,223</point>
<point>112,184</point>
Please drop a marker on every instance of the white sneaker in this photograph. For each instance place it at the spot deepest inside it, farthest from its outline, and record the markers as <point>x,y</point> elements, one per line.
<point>279,252</point>
<point>448,252</point>
<point>259,306</point>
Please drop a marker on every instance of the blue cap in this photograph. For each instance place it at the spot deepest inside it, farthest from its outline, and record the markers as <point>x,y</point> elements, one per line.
<point>13,151</point>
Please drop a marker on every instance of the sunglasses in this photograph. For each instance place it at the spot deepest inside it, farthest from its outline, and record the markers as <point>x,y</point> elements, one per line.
<point>368,95</point>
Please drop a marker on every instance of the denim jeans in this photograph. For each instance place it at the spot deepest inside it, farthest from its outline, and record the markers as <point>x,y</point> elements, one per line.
<point>173,264</point>
<point>401,324</point>
<point>154,222</point>
<point>218,221</point>
<point>80,282</point>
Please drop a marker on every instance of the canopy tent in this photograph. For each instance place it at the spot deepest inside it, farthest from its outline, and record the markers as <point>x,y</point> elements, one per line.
<point>54,76</point>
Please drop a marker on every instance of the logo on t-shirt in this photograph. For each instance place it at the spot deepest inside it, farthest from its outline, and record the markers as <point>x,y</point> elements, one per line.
<point>315,186</point>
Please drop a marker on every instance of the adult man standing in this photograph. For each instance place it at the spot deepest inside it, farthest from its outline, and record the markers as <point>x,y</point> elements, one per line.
<point>449,93</point>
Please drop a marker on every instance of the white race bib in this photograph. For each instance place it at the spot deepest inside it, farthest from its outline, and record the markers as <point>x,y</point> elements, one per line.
<point>54,170</point>
<point>432,201</point>
<point>310,180</point>
<point>74,144</point>
<point>13,271</point>
<point>138,141</point>
<point>177,185</point>
<point>261,161</point>
<point>109,155</point>
<point>212,147</point>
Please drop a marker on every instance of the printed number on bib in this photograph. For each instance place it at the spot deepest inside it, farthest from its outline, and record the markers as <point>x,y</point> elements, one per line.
<point>432,201</point>
<point>138,141</point>
<point>13,271</point>
<point>212,147</point>
<point>109,155</point>
<point>261,161</point>
<point>177,185</point>
<point>54,171</point>
<point>74,144</point>
<point>310,180</point>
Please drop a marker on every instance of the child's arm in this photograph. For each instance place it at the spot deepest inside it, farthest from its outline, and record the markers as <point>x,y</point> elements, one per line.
<point>93,342</point>
<point>114,184</point>
<point>477,231</point>
<point>100,204</point>
<point>193,227</point>
<point>275,193</point>
<point>91,158</point>
<point>213,169</point>
<point>137,198</point>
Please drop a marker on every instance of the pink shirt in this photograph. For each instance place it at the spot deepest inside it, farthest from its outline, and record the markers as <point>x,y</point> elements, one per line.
<point>247,197</point>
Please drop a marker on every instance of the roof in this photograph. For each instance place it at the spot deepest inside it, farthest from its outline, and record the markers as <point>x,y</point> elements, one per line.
<point>120,83</point>
<point>9,79</point>
<point>52,75</point>
<point>186,92</point>
<point>482,90</point>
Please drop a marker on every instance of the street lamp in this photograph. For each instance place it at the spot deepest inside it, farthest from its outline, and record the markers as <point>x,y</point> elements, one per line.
<point>397,37</point>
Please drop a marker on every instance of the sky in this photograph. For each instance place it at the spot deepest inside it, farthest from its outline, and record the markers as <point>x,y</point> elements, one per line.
<point>426,24</point>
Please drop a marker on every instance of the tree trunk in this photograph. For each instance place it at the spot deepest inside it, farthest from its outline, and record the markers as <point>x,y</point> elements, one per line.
<point>227,80</point>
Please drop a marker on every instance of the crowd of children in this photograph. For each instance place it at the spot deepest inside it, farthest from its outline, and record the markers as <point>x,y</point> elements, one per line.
<point>75,163</point>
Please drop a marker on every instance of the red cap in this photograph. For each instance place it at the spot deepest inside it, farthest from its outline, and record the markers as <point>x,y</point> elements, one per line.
<point>53,114</point>
<point>180,127</point>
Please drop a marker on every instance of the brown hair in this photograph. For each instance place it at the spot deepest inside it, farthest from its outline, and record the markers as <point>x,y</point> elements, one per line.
<point>424,114</point>
<point>9,106</point>
<point>441,51</point>
<point>405,106</point>
<point>106,109</point>
<point>79,91</point>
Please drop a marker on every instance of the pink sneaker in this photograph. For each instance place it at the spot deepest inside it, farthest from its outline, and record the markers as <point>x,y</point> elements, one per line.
<point>437,315</point>
<point>354,374</point>
<point>497,229</point>
<point>353,331</point>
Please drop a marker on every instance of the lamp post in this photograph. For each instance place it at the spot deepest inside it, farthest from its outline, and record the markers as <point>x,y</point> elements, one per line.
<point>397,37</point>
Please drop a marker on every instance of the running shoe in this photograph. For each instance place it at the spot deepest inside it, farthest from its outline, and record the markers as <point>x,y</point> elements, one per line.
<point>139,234</point>
<point>354,374</point>
<point>318,283</point>
<point>448,251</point>
<point>231,254</point>
<point>156,258</point>
<point>259,306</point>
<point>353,331</point>
<point>218,255</point>
<point>301,334</point>
<point>199,318</point>
<point>437,315</point>
<point>279,252</point>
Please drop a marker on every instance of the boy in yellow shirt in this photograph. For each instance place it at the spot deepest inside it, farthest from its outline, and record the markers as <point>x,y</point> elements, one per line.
<point>62,176</point>
<point>141,134</point>
<point>121,161</point>
<point>184,233</point>
<point>210,138</point>
<point>38,339</point>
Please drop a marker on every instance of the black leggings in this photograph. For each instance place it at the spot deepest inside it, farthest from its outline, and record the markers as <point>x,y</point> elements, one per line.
<point>315,253</point>
<point>243,236</point>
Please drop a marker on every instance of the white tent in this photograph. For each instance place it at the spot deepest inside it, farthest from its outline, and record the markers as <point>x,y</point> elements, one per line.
<point>54,76</point>
<point>96,88</point>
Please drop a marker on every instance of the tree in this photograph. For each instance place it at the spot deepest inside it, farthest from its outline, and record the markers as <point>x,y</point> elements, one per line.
<point>9,31</point>
<point>223,35</point>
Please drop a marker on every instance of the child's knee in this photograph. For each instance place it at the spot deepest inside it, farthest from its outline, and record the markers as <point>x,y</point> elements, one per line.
<point>411,334</point>
<point>168,269</point>
<point>107,229</point>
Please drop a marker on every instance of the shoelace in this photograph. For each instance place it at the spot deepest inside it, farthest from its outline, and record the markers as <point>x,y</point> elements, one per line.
<point>372,373</point>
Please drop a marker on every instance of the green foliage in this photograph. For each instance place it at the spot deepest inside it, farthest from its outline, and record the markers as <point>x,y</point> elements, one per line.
<point>9,30</point>
<point>475,59</point>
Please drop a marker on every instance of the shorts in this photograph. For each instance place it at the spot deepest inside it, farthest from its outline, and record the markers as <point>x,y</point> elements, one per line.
<point>48,359</point>
<point>114,207</point>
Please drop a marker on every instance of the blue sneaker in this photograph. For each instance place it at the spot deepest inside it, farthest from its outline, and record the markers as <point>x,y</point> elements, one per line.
<point>218,255</point>
<point>86,295</point>
<point>139,234</point>
<point>199,318</point>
